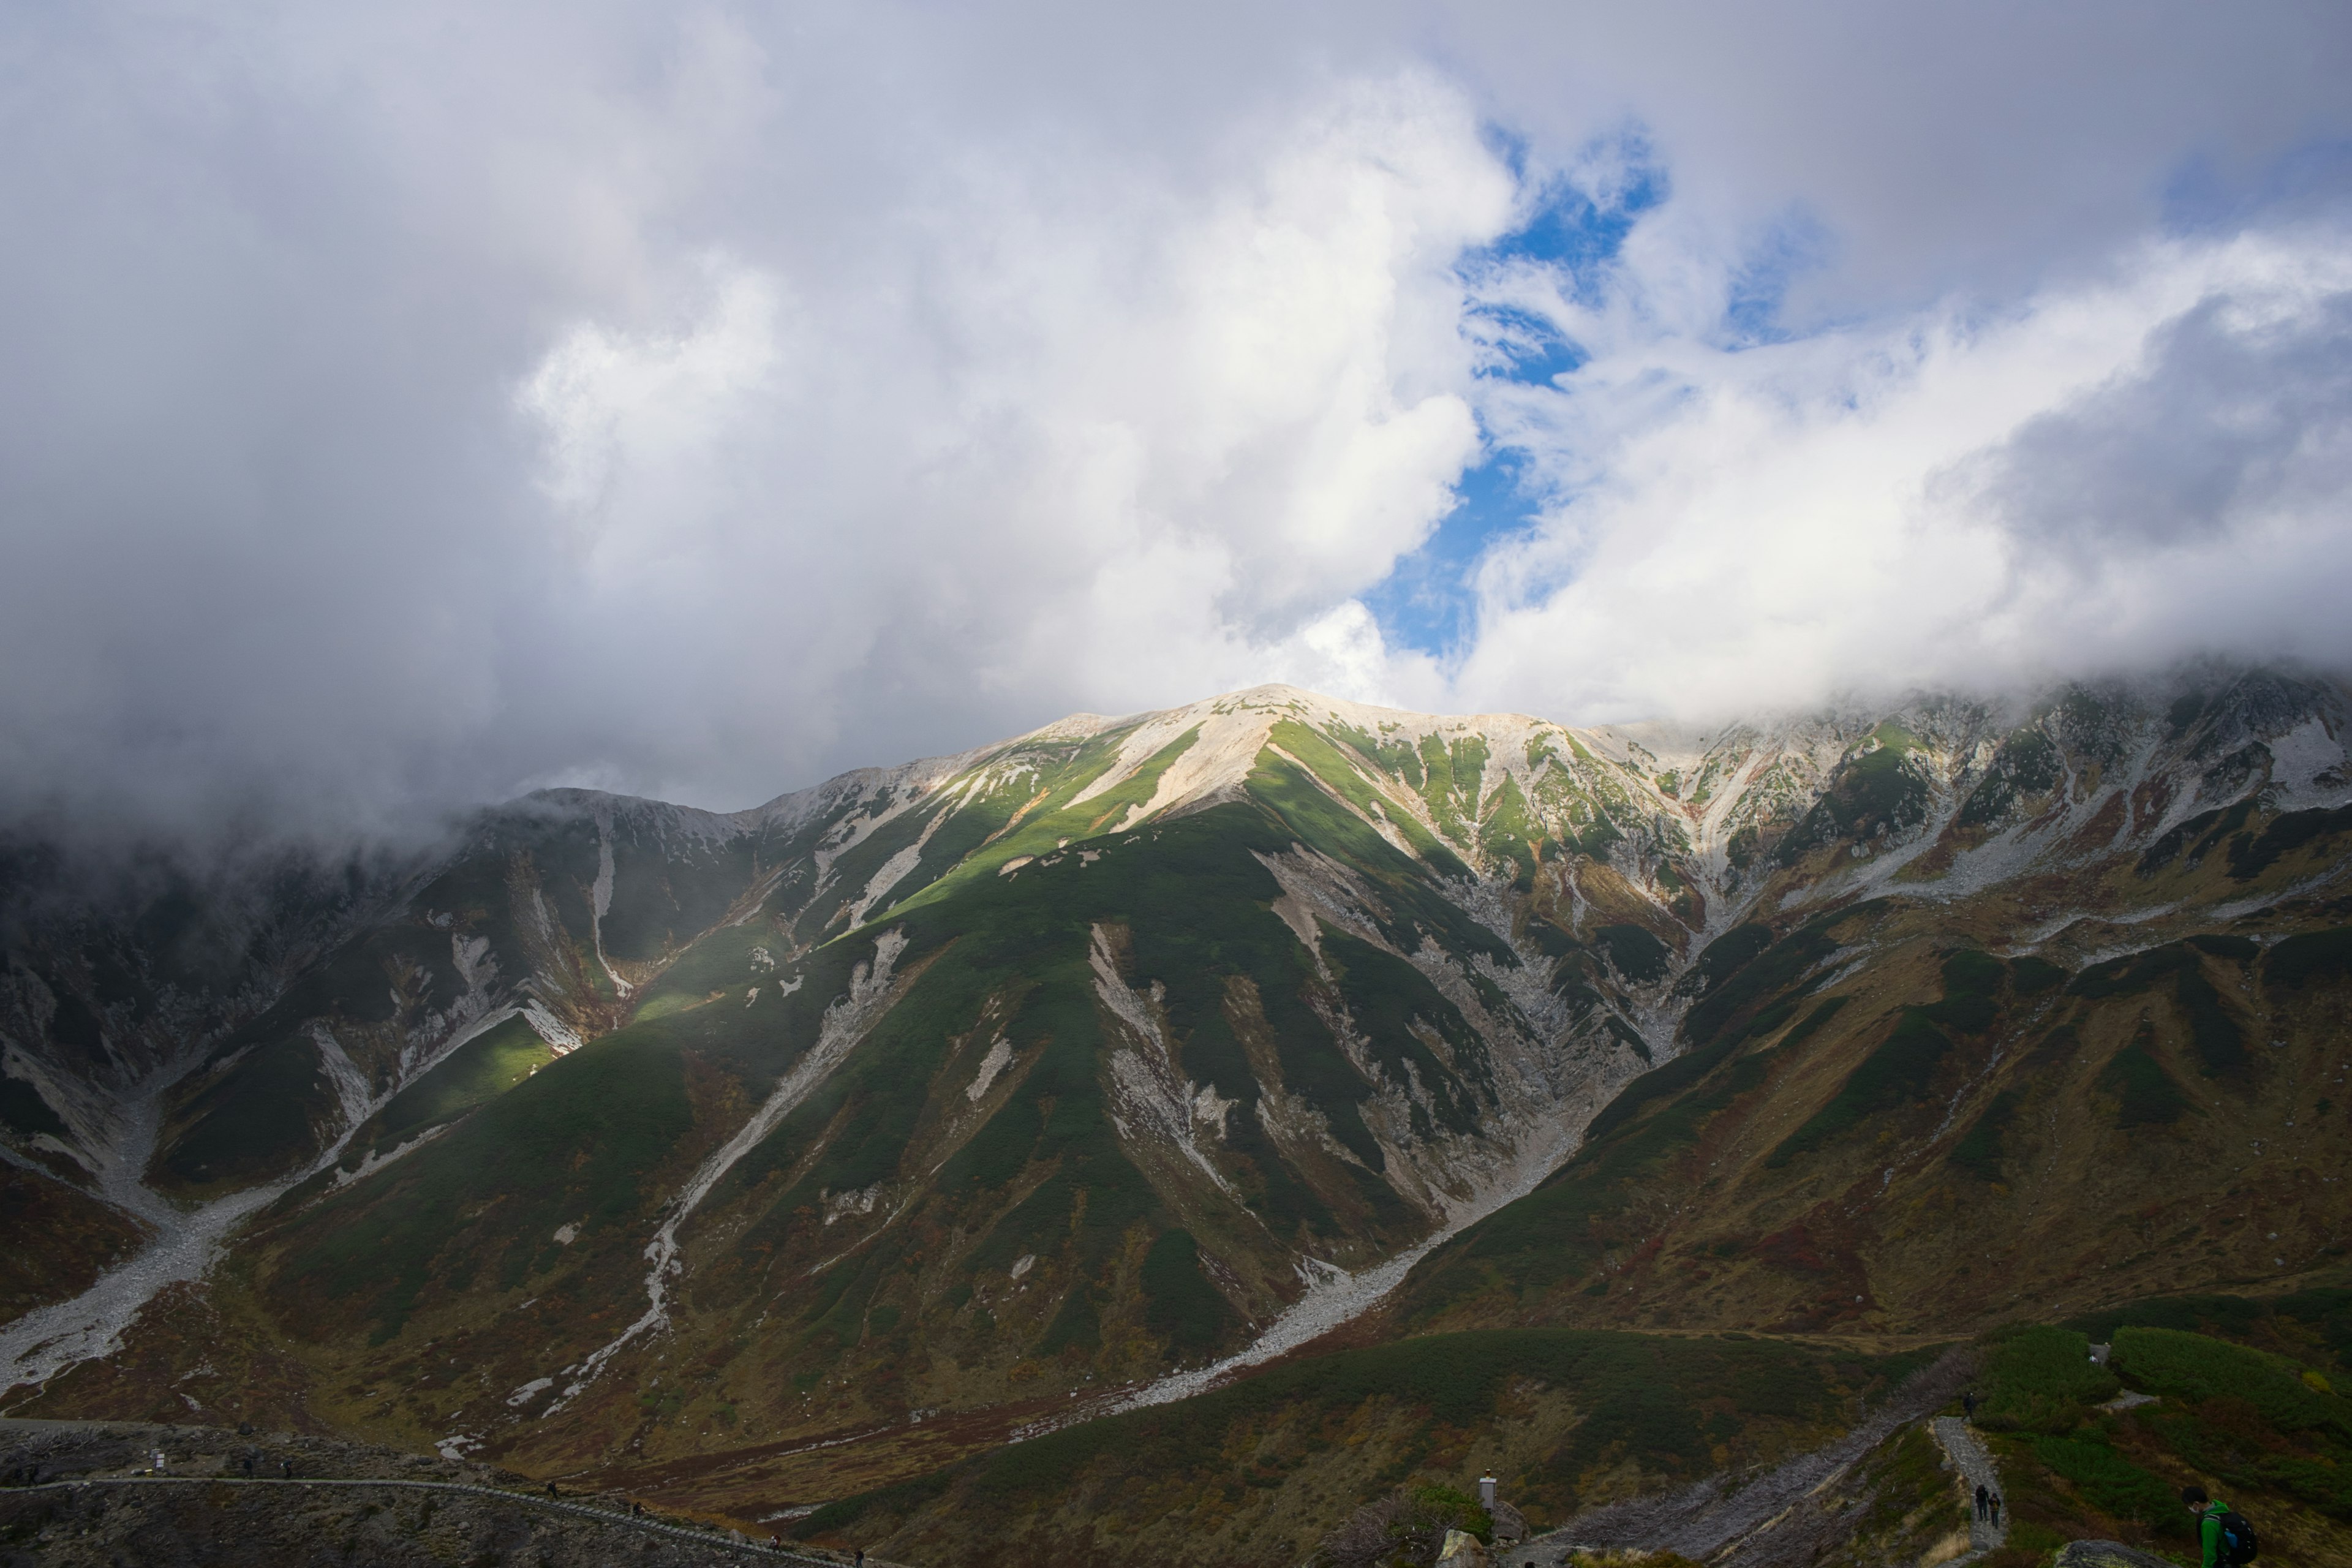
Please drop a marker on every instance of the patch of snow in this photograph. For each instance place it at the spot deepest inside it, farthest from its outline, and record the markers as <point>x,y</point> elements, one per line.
<point>567,1234</point>
<point>522,1396</point>
<point>1023,1264</point>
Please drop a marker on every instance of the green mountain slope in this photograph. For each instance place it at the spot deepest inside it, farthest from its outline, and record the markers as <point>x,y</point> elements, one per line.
<point>953,1098</point>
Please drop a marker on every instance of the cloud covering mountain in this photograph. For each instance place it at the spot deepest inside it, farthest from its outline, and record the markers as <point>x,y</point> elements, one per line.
<point>408,405</point>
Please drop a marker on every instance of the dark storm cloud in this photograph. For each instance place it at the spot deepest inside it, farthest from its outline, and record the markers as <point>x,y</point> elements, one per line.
<point>2231,424</point>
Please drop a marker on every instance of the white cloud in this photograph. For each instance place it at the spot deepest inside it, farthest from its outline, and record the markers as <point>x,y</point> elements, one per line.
<point>1931,499</point>
<point>1075,441</point>
<point>400,403</point>
<point>627,412</point>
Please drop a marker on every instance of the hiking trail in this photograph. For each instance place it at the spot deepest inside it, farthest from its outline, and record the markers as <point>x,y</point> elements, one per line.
<point>1976,1467</point>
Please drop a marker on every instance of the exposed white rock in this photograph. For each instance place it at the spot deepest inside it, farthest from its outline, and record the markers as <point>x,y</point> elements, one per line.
<point>999,1057</point>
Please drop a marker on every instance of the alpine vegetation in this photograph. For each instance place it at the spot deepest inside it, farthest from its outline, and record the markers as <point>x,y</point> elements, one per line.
<point>1354,1086</point>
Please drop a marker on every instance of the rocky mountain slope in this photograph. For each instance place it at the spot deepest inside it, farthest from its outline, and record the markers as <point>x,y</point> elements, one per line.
<point>816,1145</point>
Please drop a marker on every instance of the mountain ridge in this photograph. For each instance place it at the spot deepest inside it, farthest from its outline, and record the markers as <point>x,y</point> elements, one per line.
<point>1079,1063</point>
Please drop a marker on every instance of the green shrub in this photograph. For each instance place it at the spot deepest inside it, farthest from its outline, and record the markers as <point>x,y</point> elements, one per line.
<point>2195,1368</point>
<point>2042,1379</point>
<point>2030,976</point>
<point>2145,1093</point>
<point>1179,1301</point>
<point>2112,1484</point>
<point>1633,952</point>
<point>1980,1152</point>
<point>1451,1509</point>
<point>2312,955</point>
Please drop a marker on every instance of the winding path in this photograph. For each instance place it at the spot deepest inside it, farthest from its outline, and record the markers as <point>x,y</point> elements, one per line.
<point>585,1511</point>
<point>1976,1467</point>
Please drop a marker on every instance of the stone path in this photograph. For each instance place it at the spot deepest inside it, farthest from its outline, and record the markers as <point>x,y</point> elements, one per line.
<point>1976,1468</point>
<point>706,1538</point>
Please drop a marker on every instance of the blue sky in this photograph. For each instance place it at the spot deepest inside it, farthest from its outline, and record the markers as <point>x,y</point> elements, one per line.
<point>1576,229</point>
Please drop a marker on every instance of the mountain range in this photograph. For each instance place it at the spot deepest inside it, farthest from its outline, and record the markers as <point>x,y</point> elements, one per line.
<point>772,1160</point>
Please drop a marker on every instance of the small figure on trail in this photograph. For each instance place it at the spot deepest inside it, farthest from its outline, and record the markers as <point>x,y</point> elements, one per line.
<point>285,1469</point>
<point>2211,1532</point>
<point>1968,1403</point>
<point>1982,1495</point>
<point>1993,1503</point>
<point>861,1557</point>
<point>550,1489</point>
<point>775,1542</point>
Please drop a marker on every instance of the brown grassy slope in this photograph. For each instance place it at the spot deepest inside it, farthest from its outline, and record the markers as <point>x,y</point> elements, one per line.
<point>1960,1141</point>
<point>59,1239</point>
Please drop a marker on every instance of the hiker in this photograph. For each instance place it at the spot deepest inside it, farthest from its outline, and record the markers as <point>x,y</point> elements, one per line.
<point>1982,1495</point>
<point>1968,1403</point>
<point>285,1469</point>
<point>2209,1512</point>
<point>550,1489</point>
<point>1993,1503</point>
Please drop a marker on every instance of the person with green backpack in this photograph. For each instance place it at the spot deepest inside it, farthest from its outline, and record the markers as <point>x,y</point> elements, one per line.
<point>2227,1539</point>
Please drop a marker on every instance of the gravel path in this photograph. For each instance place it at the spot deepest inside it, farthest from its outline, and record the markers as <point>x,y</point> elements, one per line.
<point>704,1538</point>
<point>1976,1470</point>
